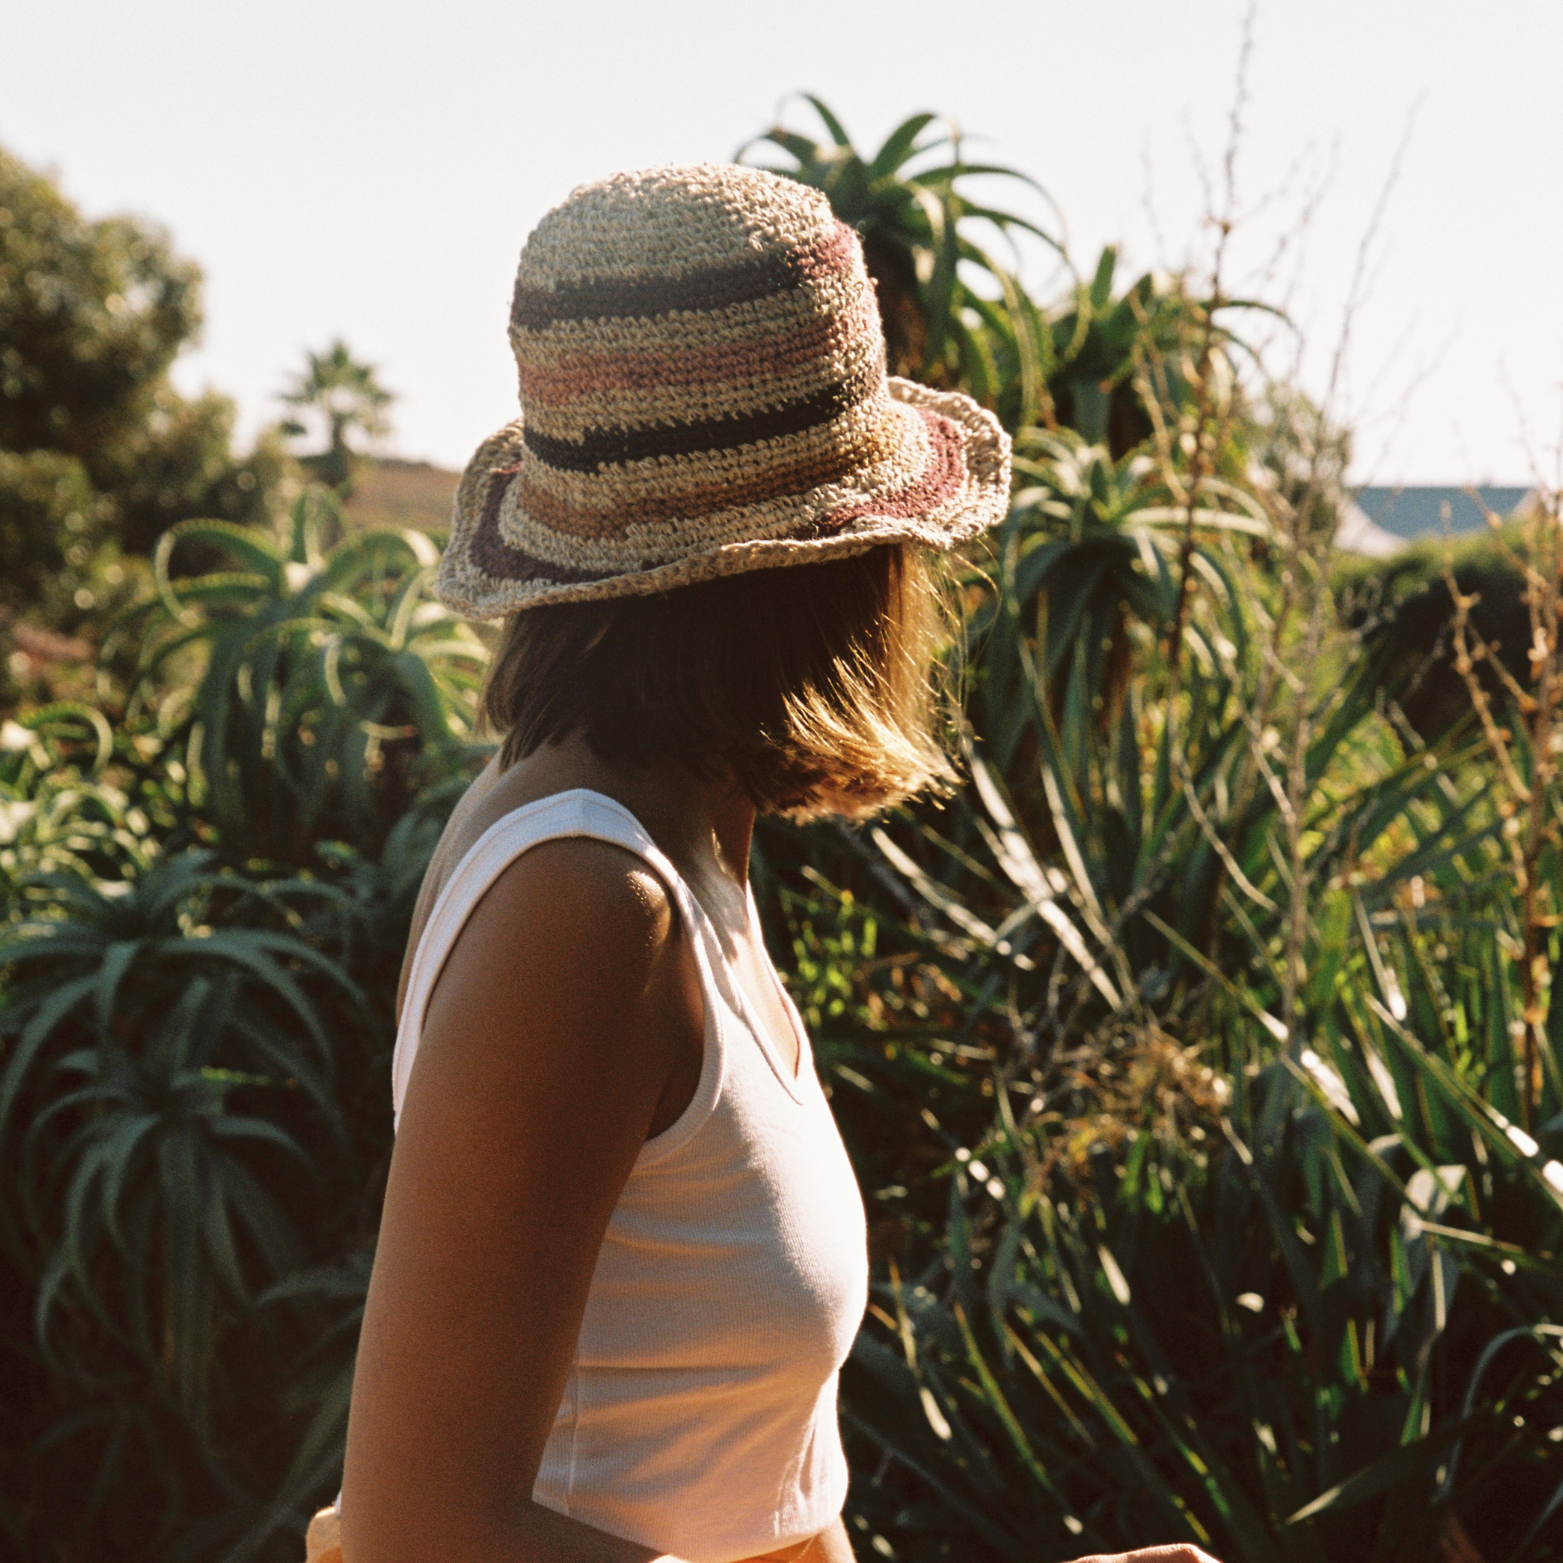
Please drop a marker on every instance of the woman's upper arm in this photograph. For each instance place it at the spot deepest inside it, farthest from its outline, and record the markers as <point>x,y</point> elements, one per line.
<point>545,1049</point>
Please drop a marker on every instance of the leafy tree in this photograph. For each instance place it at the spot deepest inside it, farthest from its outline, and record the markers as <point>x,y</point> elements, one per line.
<point>92,315</point>
<point>348,396</point>
<point>47,503</point>
<point>1305,454</point>
<point>56,564</point>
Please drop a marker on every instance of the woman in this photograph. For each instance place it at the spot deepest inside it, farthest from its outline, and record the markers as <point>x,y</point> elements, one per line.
<point>622,1255</point>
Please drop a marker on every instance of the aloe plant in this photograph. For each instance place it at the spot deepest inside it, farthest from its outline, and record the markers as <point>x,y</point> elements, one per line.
<point>1319,1348</point>
<point>61,807</point>
<point>334,687</point>
<point>1318,1313</point>
<point>954,312</point>
<point>1090,546</point>
<point>168,1112</point>
<point>1269,1266</point>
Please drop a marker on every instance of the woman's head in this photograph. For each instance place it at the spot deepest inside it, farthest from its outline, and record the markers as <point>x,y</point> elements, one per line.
<point>817,687</point>
<point>712,528</point>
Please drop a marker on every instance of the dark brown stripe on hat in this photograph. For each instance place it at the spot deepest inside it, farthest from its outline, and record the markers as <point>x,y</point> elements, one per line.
<point>502,560</point>
<point>706,287</point>
<point>693,503</point>
<point>942,479</point>
<point>614,447</point>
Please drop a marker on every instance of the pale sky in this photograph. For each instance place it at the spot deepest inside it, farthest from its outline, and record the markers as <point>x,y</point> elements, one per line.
<point>370,168</point>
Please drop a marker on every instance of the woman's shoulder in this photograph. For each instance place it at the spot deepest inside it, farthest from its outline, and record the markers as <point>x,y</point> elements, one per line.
<point>577,899</point>
<point>573,938</point>
<point>567,888</point>
<point>566,896</point>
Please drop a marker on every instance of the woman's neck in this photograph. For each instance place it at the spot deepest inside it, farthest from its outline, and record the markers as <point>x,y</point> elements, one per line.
<point>703,824</point>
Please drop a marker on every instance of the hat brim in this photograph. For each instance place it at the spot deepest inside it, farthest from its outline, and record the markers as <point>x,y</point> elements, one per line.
<point>948,481</point>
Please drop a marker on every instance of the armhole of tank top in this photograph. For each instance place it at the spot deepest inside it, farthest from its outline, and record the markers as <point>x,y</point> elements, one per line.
<point>584,813</point>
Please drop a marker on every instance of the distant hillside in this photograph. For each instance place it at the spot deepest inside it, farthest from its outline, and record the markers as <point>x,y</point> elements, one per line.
<point>389,492</point>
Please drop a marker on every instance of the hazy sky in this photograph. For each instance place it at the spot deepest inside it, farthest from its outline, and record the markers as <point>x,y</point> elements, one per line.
<point>371,169</point>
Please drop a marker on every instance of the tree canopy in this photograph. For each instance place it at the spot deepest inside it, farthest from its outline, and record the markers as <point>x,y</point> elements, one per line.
<point>93,313</point>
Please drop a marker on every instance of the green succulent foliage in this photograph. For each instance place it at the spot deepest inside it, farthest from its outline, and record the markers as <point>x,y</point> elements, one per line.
<point>1318,1340</point>
<point>1147,825</point>
<point>193,1060</point>
<point>168,1113</point>
<point>1109,364</point>
<point>318,1389</point>
<point>1318,1349</point>
<point>1333,1326</point>
<point>954,312</point>
<point>1092,546</point>
<point>1120,365</point>
<point>335,688</point>
<point>60,808</point>
<point>43,742</point>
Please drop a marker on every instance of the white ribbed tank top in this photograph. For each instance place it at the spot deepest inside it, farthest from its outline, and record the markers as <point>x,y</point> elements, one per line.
<point>700,1413</point>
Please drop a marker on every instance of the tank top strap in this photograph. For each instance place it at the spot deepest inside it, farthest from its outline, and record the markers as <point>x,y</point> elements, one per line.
<point>577,812</point>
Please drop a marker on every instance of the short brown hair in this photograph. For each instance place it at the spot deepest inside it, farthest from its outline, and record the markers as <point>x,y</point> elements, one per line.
<point>818,686</point>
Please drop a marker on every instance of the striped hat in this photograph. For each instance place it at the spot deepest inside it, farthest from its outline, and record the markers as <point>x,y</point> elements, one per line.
<point>703,391</point>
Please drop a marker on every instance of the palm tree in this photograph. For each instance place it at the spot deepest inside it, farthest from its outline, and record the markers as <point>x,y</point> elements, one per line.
<point>349,396</point>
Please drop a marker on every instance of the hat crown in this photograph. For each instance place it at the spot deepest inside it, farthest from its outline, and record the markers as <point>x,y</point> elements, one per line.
<point>714,312</point>
<point>731,288</point>
<point>671,220</point>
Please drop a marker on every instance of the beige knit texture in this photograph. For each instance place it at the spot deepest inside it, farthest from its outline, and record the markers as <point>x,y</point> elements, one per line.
<point>703,391</point>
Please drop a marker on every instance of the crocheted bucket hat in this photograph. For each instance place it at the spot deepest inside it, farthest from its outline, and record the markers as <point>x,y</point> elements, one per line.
<point>703,391</point>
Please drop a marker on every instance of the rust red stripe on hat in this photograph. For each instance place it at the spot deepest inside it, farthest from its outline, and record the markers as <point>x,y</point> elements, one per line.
<point>697,361</point>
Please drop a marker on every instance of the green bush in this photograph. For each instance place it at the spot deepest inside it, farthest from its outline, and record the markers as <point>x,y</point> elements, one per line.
<point>1403,610</point>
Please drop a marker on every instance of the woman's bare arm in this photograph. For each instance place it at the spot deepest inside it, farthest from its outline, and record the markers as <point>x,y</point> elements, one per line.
<point>547,1049</point>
